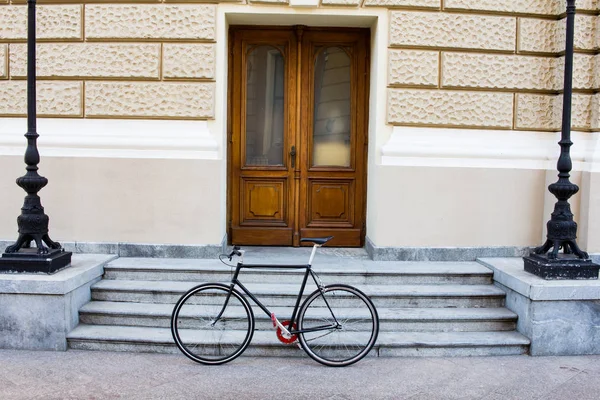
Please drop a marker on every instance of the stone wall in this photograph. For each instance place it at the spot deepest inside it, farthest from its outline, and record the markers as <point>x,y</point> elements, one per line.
<point>112,60</point>
<point>493,64</point>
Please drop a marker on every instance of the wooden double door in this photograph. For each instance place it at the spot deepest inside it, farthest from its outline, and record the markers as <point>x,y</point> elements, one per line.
<point>297,135</point>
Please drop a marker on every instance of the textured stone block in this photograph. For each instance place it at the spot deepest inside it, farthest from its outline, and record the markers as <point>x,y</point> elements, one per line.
<point>587,29</point>
<point>150,22</point>
<point>595,124</point>
<point>425,29</point>
<point>413,67</point>
<point>590,5</point>
<point>544,112</point>
<point>268,1</point>
<point>536,111</point>
<point>543,7</point>
<point>193,1</point>
<point>189,60</point>
<point>403,3</point>
<point>92,1</point>
<point>581,112</point>
<point>3,59</point>
<point>89,60</point>
<point>586,70</point>
<point>53,98</point>
<point>140,99</point>
<point>450,108</point>
<point>549,36</point>
<point>53,22</point>
<point>539,35</point>
<point>498,71</point>
<point>597,32</point>
<point>347,3</point>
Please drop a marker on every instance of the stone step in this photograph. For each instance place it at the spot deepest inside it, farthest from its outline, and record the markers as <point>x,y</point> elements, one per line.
<point>273,295</point>
<point>351,272</point>
<point>265,343</point>
<point>391,319</point>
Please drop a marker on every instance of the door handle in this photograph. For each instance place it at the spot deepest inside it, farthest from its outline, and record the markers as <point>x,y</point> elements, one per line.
<point>293,154</point>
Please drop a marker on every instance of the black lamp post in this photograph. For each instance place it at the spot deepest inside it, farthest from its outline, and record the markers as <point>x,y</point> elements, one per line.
<point>573,263</point>
<point>33,223</point>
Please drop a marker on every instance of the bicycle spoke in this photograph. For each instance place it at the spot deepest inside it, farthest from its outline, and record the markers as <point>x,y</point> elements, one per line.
<point>203,338</point>
<point>355,333</point>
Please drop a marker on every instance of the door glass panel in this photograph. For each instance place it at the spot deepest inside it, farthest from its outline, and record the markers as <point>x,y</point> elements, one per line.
<point>331,126</point>
<point>264,106</point>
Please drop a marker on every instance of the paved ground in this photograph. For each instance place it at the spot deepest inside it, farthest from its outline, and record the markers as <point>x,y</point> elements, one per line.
<point>102,375</point>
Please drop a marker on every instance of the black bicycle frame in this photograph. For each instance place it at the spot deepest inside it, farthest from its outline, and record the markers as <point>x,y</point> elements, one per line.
<point>235,281</point>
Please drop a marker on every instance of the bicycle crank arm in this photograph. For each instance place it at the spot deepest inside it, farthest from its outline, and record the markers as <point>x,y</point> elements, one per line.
<point>277,324</point>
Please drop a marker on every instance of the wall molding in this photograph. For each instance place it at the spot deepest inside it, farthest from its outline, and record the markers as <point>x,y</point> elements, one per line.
<point>482,148</point>
<point>112,138</point>
<point>461,254</point>
<point>126,249</point>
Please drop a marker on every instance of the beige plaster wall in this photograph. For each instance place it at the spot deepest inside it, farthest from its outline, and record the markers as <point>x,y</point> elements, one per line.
<point>481,65</point>
<point>589,228</point>
<point>121,200</point>
<point>455,207</point>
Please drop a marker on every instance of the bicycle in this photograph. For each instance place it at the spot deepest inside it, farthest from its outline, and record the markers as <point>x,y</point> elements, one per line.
<point>336,325</point>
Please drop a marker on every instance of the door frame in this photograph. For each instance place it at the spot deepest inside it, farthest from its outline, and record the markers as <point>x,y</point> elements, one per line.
<point>362,120</point>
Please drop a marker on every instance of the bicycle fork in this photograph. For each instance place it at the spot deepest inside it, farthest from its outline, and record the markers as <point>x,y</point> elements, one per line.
<point>218,317</point>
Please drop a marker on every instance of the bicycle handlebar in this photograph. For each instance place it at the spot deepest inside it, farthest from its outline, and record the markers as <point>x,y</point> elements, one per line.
<point>235,252</point>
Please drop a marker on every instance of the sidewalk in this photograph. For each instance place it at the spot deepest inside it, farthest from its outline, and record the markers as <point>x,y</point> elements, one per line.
<point>102,375</point>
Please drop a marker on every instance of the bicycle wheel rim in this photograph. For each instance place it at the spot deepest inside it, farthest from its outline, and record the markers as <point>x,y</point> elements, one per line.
<point>201,340</point>
<point>352,340</point>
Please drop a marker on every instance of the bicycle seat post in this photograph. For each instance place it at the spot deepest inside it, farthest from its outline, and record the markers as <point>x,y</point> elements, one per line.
<point>312,254</point>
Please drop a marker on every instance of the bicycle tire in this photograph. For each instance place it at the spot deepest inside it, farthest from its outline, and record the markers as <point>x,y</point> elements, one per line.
<point>356,334</point>
<point>201,340</point>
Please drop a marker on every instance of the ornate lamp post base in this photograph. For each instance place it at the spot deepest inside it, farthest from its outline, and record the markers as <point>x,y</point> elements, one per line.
<point>573,263</point>
<point>29,260</point>
<point>33,223</point>
<point>565,266</point>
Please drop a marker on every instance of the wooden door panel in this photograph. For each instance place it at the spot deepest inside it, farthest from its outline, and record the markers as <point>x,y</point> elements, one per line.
<point>347,237</point>
<point>297,161</point>
<point>263,118</point>
<point>334,83</point>
<point>262,236</point>
<point>330,203</point>
<point>264,201</point>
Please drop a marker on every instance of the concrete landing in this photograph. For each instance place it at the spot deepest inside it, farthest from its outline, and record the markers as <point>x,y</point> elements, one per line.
<point>561,317</point>
<point>38,310</point>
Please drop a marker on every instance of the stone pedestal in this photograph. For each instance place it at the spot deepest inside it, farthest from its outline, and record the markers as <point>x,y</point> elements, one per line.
<point>560,317</point>
<point>565,266</point>
<point>37,311</point>
<point>28,260</point>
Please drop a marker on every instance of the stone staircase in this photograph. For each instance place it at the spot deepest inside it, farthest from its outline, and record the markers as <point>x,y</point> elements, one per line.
<point>425,308</point>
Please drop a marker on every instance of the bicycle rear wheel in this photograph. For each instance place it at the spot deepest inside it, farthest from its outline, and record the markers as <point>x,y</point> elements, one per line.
<point>352,321</point>
<point>197,333</point>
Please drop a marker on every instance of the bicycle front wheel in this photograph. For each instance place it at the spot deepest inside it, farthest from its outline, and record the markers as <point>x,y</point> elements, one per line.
<point>198,333</point>
<point>342,322</point>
